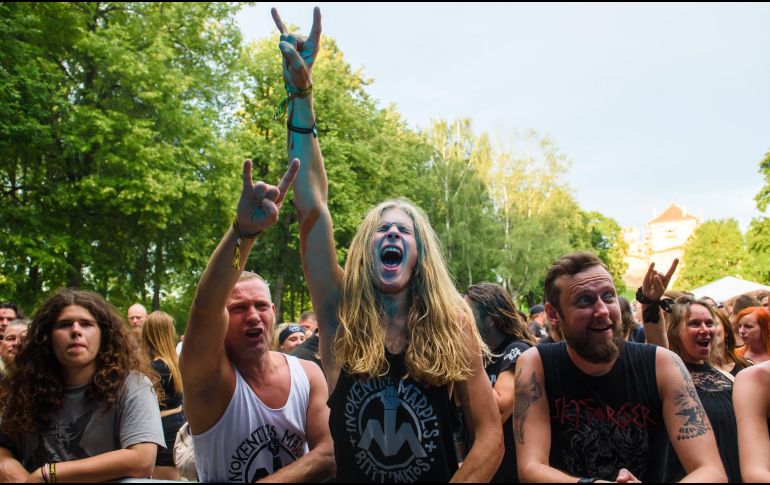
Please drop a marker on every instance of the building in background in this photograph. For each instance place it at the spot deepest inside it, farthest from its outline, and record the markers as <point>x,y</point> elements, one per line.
<point>664,239</point>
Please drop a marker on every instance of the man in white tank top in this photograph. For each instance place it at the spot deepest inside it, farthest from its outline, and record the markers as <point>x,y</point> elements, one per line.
<point>252,412</point>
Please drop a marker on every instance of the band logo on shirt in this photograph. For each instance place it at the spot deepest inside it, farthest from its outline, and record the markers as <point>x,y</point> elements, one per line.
<point>264,452</point>
<point>393,429</point>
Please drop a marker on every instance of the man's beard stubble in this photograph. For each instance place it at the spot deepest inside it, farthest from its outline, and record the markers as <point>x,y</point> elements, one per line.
<point>595,352</point>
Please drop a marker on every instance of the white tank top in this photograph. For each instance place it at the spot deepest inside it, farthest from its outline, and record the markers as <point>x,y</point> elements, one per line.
<point>252,440</point>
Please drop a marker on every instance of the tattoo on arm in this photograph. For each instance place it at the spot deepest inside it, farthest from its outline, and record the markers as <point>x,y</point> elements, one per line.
<point>695,422</point>
<point>525,395</point>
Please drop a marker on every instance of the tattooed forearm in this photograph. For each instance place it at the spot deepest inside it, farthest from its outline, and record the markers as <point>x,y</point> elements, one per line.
<point>526,394</point>
<point>695,422</point>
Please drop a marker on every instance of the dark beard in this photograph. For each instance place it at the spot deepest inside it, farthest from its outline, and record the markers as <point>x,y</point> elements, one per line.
<point>596,353</point>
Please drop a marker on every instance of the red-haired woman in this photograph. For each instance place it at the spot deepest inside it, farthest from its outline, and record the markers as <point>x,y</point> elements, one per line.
<point>754,329</point>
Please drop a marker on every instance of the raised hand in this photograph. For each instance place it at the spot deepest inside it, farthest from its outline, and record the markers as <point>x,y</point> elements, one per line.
<point>655,283</point>
<point>299,52</point>
<point>260,202</point>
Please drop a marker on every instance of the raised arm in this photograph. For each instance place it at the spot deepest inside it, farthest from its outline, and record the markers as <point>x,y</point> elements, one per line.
<point>319,258</point>
<point>207,374</point>
<point>688,427</point>
<point>751,401</point>
<point>653,287</point>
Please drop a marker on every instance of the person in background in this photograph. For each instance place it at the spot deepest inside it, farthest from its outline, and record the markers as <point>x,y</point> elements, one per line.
<point>506,333</point>
<point>739,304</point>
<point>290,337</point>
<point>537,318</point>
<point>9,312</point>
<point>137,315</point>
<point>631,330</point>
<point>724,356</point>
<point>14,335</point>
<point>754,329</point>
<point>308,323</point>
<point>78,406</point>
<point>158,337</point>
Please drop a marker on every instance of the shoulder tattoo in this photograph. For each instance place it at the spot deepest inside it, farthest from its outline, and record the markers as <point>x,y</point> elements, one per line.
<point>525,395</point>
<point>694,420</point>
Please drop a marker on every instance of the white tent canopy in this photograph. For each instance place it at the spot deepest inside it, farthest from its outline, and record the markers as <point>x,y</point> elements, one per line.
<point>728,287</point>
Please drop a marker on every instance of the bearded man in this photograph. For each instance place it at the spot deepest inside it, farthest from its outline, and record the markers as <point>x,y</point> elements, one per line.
<point>594,407</point>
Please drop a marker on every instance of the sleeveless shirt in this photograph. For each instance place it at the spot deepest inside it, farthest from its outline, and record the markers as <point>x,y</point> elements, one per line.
<point>252,440</point>
<point>602,424</point>
<point>504,359</point>
<point>392,428</point>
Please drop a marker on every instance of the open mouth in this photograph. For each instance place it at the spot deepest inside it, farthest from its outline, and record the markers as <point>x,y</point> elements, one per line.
<point>703,343</point>
<point>254,332</point>
<point>391,257</point>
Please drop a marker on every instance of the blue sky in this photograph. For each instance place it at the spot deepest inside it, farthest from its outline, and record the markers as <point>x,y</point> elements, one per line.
<point>653,104</point>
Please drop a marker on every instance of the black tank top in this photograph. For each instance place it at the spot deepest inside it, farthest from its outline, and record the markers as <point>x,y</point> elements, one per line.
<point>602,424</point>
<point>390,429</point>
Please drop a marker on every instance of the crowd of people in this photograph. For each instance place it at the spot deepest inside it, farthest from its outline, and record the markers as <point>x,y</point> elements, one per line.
<point>395,376</point>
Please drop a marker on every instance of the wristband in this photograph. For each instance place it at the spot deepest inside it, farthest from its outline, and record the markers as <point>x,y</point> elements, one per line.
<point>52,472</point>
<point>588,480</point>
<point>236,262</point>
<point>303,131</point>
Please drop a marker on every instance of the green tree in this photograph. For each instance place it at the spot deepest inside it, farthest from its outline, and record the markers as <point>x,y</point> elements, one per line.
<point>456,198</point>
<point>758,236</point>
<point>758,245</point>
<point>113,158</point>
<point>714,250</point>
<point>603,236</point>
<point>537,210</point>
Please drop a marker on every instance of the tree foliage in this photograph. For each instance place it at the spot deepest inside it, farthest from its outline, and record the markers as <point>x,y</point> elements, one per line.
<point>714,250</point>
<point>112,154</point>
<point>122,131</point>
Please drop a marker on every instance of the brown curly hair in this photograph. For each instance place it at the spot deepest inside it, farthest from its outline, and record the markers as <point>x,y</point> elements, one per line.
<point>33,392</point>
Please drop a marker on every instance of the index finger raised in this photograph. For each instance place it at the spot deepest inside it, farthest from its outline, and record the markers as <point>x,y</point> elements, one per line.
<point>277,19</point>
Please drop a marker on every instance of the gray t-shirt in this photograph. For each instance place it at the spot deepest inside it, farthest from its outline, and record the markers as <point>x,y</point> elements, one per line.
<point>81,430</point>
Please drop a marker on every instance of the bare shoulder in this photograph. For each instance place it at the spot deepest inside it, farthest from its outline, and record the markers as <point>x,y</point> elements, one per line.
<point>753,378</point>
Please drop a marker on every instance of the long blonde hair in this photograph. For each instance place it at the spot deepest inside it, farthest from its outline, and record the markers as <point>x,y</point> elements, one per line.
<point>159,341</point>
<point>438,317</point>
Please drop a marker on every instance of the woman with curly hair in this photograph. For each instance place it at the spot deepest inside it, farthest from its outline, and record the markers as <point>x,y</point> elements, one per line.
<point>395,335</point>
<point>158,341</point>
<point>76,406</point>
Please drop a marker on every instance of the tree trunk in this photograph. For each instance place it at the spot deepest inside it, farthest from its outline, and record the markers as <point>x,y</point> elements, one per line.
<point>278,298</point>
<point>157,276</point>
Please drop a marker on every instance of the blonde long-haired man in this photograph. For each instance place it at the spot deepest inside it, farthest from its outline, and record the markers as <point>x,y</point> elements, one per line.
<point>395,335</point>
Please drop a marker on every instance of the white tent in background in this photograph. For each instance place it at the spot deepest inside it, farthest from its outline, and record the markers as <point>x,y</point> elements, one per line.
<point>728,287</point>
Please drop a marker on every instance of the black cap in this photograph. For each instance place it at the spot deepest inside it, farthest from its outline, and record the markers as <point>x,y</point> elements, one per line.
<point>536,309</point>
